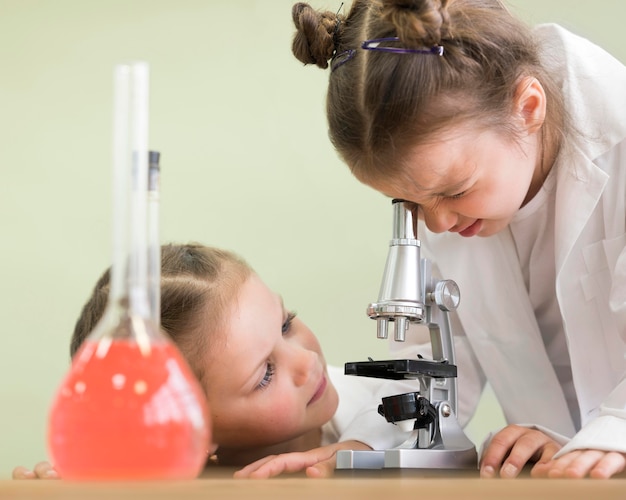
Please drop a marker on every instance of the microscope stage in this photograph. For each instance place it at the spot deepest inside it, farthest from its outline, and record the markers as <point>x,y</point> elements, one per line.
<point>397,369</point>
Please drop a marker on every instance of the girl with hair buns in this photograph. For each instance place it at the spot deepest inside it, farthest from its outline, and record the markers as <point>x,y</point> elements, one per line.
<point>511,143</point>
<point>272,398</point>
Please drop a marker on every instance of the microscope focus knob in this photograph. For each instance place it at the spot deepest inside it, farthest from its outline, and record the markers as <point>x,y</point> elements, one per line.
<point>447,295</point>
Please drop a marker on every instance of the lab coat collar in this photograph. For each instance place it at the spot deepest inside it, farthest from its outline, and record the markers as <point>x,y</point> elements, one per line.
<point>589,78</point>
<point>578,189</point>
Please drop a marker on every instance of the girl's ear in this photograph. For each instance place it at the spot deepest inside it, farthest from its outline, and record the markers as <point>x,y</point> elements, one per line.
<point>529,106</point>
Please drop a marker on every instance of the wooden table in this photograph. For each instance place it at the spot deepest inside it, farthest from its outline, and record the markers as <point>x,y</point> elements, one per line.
<point>361,486</point>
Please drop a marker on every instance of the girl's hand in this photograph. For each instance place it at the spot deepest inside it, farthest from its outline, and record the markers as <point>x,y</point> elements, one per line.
<point>512,448</point>
<point>42,470</point>
<point>595,464</point>
<point>318,462</point>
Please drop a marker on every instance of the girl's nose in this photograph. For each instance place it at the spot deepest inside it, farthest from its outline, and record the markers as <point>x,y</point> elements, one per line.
<point>302,362</point>
<point>440,220</point>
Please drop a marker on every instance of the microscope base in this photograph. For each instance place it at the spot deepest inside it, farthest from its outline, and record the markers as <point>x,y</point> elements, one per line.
<point>431,459</point>
<point>360,459</point>
<point>402,458</point>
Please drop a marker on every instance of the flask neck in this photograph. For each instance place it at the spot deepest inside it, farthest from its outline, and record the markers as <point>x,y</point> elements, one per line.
<point>129,273</point>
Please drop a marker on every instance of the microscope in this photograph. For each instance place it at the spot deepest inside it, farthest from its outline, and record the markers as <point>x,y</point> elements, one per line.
<point>409,294</point>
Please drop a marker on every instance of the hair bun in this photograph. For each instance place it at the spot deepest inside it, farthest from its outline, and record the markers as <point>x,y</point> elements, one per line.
<point>314,41</point>
<point>417,22</point>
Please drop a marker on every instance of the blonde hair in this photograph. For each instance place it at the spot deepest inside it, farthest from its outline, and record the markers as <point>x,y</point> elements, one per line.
<point>197,285</point>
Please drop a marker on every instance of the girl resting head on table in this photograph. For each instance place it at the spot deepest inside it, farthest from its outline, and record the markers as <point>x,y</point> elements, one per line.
<point>272,403</point>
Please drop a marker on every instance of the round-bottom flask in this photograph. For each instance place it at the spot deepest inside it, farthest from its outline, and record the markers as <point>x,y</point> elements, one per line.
<point>126,411</point>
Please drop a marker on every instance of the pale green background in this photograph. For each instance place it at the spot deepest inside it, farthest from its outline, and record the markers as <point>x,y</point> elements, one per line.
<point>246,165</point>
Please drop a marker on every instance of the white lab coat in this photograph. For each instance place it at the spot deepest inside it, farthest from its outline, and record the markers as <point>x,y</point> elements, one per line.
<point>498,338</point>
<point>357,415</point>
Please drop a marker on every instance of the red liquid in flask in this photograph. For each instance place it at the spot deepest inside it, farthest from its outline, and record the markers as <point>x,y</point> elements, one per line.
<point>120,414</point>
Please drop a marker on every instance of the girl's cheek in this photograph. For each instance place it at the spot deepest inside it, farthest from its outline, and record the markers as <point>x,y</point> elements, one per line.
<point>282,416</point>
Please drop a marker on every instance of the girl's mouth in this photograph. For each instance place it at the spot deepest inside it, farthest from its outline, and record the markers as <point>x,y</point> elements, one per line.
<point>472,230</point>
<point>319,392</point>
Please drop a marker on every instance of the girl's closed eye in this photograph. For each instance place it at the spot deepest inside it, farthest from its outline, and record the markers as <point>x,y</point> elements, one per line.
<point>457,196</point>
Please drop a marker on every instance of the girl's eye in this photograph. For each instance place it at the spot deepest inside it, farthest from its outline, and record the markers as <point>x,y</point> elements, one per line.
<point>287,323</point>
<point>267,378</point>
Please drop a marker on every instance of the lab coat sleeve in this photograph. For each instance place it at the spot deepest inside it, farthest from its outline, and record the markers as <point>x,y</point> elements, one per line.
<point>607,431</point>
<point>358,418</point>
